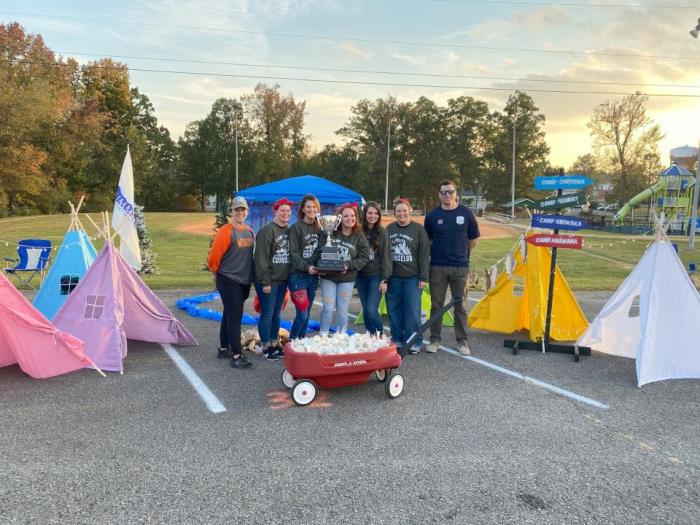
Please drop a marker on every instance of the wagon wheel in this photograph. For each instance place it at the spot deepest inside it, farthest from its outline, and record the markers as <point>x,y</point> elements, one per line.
<point>303,392</point>
<point>287,378</point>
<point>394,385</point>
<point>381,375</point>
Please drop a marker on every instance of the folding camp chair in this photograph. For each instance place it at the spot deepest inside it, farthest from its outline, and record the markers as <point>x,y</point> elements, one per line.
<point>34,255</point>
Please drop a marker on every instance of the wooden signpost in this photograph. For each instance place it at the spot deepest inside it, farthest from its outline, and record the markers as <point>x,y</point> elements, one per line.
<point>555,241</point>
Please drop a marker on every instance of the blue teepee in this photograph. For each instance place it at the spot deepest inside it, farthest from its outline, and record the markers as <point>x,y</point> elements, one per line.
<point>74,257</point>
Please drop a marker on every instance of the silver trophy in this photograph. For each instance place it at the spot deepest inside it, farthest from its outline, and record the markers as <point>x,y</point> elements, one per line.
<point>330,260</point>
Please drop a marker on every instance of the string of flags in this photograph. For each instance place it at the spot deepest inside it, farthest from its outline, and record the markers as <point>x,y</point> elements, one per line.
<point>53,248</point>
<point>644,238</point>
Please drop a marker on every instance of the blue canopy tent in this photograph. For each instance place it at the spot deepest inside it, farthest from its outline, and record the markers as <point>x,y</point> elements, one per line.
<point>329,194</point>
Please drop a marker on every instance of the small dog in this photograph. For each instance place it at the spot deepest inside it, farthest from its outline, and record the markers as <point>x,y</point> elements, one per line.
<point>250,340</point>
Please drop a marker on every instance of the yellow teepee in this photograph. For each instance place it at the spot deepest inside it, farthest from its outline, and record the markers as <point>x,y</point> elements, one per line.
<point>519,301</point>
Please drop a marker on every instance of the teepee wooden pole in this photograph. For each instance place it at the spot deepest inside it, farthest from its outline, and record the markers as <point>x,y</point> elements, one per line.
<point>99,230</point>
<point>97,368</point>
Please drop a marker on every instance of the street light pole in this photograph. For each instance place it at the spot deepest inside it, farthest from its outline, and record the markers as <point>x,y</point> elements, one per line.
<point>512,176</point>
<point>696,189</point>
<point>694,214</point>
<point>388,143</point>
<point>235,129</point>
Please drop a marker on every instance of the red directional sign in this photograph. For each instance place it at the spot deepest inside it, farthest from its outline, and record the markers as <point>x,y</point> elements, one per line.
<point>556,241</point>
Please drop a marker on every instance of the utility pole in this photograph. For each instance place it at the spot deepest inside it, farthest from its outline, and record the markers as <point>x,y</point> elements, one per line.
<point>694,214</point>
<point>512,176</point>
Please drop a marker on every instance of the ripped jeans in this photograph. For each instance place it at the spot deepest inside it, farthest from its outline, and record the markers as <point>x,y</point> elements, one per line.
<point>336,299</point>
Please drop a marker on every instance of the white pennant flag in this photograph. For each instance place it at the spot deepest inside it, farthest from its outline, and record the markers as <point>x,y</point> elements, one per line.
<point>123,215</point>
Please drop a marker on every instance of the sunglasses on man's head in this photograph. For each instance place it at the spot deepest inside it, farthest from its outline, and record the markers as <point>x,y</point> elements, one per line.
<point>446,192</point>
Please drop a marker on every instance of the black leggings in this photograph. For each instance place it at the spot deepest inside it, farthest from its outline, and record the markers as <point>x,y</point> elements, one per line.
<point>233,295</point>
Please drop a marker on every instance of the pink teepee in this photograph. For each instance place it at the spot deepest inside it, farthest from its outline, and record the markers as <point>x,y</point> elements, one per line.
<point>111,304</point>
<point>28,339</point>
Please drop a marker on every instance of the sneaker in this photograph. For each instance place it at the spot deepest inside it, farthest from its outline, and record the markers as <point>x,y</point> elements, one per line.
<point>223,353</point>
<point>433,347</point>
<point>464,348</point>
<point>241,362</point>
<point>279,351</point>
<point>270,354</point>
<point>415,349</point>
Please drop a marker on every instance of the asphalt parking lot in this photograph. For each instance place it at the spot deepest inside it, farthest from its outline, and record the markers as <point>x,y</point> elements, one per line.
<point>464,443</point>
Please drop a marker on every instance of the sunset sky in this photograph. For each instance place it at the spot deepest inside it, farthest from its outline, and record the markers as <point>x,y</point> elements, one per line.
<point>424,42</point>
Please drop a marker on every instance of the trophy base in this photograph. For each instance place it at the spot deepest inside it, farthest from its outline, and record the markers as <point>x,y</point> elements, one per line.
<point>330,261</point>
<point>330,266</point>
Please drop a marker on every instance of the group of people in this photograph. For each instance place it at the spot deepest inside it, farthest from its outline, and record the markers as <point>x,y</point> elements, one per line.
<point>398,261</point>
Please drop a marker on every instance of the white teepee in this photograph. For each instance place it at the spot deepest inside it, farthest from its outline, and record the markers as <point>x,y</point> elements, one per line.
<point>653,317</point>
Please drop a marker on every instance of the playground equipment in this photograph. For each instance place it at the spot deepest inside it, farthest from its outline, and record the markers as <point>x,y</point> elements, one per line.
<point>672,196</point>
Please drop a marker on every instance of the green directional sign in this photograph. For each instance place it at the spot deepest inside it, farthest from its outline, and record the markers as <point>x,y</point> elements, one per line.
<point>561,201</point>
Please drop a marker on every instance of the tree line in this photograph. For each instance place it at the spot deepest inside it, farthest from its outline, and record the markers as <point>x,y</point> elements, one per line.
<point>64,128</point>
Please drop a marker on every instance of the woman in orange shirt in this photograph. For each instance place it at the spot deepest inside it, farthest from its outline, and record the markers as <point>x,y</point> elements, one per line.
<point>231,261</point>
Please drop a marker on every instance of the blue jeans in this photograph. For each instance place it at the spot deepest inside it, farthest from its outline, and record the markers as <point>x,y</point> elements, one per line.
<point>403,306</point>
<point>368,288</point>
<point>297,281</point>
<point>270,306</point>
<point>336,299</point>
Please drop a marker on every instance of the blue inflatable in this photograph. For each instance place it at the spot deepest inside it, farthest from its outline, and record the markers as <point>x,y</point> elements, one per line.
<point>189,304</point>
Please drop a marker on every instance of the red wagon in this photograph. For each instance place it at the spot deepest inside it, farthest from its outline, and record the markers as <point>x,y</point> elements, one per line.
<point>306,371</point>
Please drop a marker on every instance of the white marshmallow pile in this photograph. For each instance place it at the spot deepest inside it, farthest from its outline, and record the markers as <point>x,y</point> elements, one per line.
<point>340,344</point>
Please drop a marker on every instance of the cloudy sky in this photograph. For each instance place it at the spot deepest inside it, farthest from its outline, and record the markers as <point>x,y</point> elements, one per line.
<point>406,48</point>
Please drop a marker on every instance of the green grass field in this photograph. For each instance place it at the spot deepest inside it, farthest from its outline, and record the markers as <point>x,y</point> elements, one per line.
<point>181,255</point>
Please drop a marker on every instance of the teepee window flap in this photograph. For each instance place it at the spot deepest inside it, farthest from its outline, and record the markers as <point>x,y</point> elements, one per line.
<point>634,307</point>
<point>518,286</point>
<point>94,306</point>
<point>68,283</point>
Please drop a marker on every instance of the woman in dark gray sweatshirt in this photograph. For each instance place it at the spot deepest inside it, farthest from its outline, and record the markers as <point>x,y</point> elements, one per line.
<point>271,272</point>
<point>410,255</point>
<point>303,277</point>
<point>372,280</point>
<point>336,288</point>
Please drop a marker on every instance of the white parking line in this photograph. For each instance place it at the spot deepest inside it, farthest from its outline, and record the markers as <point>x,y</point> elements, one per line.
<point>512,373</point>
<point>212,402</point>
<point>517,375</point>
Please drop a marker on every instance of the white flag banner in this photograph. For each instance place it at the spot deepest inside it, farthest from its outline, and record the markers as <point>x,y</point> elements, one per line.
<point>123,215</point>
